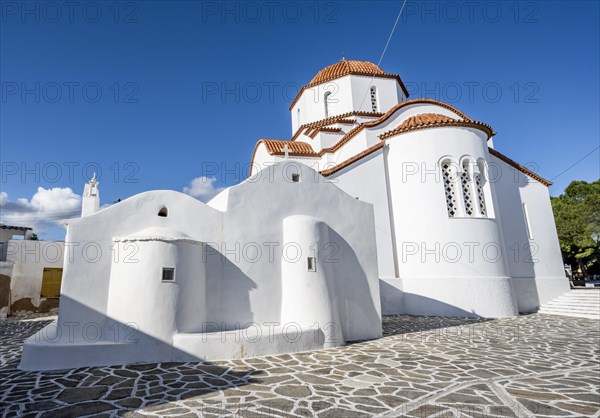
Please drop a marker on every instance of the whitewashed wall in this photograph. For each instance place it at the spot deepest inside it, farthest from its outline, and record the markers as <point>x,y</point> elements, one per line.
<point>348,93</point>
<point>243,257</point>
<point>449,266</point>
<point>535,263</point>
<point>365,180</point>
<point>29,259</point>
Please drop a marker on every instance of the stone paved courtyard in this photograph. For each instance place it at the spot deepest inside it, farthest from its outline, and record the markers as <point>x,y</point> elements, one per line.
<point>534,365</point>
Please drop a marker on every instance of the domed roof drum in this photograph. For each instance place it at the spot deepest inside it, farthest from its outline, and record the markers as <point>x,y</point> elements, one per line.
<point>348,67</point>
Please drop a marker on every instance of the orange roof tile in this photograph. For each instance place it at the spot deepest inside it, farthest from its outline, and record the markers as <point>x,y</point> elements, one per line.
<point>342,68</point>
<point>434,120</point>
<point>343,118</point>
<point>323,129</point>
<point>425,119</point>
<point>297,148</point>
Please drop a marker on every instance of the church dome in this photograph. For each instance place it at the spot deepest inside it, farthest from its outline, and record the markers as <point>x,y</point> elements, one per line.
<point>346,67</point>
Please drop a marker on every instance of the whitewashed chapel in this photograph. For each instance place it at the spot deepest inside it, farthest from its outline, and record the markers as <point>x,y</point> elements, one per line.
<point>265,267</point>
<point>376,204</point>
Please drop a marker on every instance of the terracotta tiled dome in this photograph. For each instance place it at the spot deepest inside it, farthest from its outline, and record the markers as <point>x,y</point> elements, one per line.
<point>342,68</point>
<point>348,67</point>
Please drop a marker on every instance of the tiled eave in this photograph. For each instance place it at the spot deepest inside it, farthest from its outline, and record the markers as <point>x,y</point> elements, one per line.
<point>519,167</point>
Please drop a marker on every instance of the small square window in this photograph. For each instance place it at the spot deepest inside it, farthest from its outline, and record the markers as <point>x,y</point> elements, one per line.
<point>311,263</point>
<point>168,274</point>
<point>295,177</point>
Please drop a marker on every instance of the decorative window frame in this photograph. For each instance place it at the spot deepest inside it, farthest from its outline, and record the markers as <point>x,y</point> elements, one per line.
<point>469,187</point>
<point>485,184</point>
<point>466,186</point>
<point>374,98</point>
<point>449,171</point>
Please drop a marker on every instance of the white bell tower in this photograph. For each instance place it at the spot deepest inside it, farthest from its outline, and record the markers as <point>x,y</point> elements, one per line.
<point>91,198</point>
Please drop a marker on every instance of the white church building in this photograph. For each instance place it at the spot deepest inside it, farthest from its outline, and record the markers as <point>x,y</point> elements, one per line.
<point>376,204</point>
<point>461,229</point>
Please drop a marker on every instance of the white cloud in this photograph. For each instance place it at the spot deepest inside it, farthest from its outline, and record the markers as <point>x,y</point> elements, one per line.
<point>45,208</point>
<point>203,188</point>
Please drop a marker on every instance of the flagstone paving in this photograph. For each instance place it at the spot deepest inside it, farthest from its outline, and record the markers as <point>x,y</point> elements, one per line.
<point>530,366</point>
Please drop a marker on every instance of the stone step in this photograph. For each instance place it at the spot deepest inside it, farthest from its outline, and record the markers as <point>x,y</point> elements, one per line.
<point>590,297</point>
<point>584,303</point>
<point>574,305</point>
<point>592,301</point>
<point>585,293</point>
<point>569,309</point>
<point>571,303</point>
<point>576,302</point>
<point>570,314</point>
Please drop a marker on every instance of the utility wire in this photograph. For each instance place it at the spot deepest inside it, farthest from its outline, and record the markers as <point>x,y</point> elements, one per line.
<point>383,53</point>
<point>391,34</point>
<point>575,163</point>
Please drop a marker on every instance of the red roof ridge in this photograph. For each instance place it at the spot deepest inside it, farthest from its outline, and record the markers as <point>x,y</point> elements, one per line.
<point>342,118</point>
<point>434,120</point>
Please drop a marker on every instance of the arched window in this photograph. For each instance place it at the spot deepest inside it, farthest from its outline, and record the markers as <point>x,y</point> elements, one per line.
<point>479,179</point>
<point>374,99</point>
<point>163,212</point>
<point>465,181</point>
<point>449,188</point>
<point>326,100</point>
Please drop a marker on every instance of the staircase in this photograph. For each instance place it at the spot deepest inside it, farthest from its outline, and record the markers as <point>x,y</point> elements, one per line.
<point>581,303</point>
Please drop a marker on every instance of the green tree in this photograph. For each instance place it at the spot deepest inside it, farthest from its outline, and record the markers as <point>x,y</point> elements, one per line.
<point>577,216</point>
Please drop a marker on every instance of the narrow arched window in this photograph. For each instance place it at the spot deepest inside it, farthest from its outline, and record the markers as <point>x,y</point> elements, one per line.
<point>449,188</point>
<point>298,112</point>
<point>163,212</point>
<point>326,100</point>
<point>466,184</point>
<point>374,99</point>
<point>479,179</point>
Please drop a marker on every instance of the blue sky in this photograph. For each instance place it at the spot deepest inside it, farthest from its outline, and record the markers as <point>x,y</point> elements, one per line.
<point>153,94</point>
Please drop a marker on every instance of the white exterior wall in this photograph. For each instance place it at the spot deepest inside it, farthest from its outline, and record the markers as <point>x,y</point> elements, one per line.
<point>364,181</point>
<point>312,106</point>
<point>448,266</point>
<point>348,93</point>
<point>156,308</point>
<point>535,264</point>
<point>307,297</point>
<point>388,91</point>
<point>29,259</point>
<point>426,285</point>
